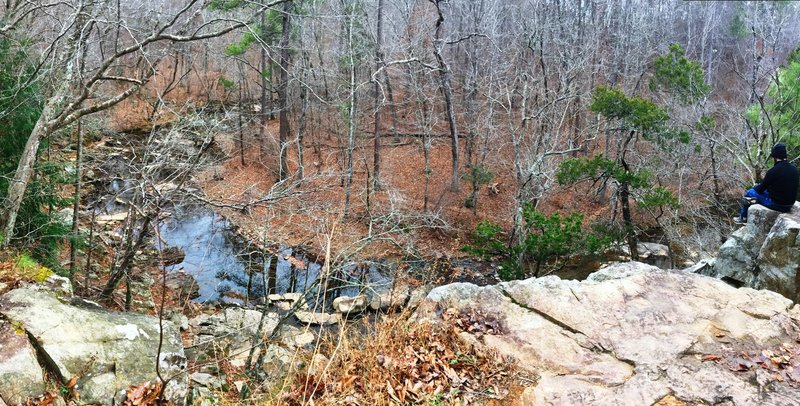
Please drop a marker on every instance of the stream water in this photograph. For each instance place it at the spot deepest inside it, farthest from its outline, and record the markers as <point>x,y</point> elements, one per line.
<point>230,270</point>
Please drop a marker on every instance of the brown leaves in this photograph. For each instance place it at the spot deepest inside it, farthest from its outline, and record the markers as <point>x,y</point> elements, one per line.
<point>45,400</point>
<point>305,387</point>
<point>402,362</point>
<point>68,391</point>
<point>440,367</point>
<point>474,322</point>
<point>145,394</point>
<point>782,363</point>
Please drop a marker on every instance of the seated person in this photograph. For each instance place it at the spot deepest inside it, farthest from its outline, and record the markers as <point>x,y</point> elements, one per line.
<point>778,189</point>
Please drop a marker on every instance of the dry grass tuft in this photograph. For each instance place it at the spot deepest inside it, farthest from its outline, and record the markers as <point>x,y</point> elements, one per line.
<point>399,361</point>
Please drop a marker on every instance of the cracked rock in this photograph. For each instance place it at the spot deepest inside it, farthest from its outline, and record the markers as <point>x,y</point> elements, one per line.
<point>628,334</point>
<point>107,351</point>
<point>764,254</point>
<point>20,375</point>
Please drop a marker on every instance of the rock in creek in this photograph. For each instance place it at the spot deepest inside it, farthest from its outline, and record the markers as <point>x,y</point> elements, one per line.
<point>288,301</point>
<point>347,305</point>
<point>765,253</point>
<point>184,286</point>
<point>393,298</point>
<point>630,334</point>
<point>108,352</point>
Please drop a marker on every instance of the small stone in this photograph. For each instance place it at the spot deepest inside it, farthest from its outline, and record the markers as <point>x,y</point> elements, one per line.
<point>392,298</point>
<point>349,305</point>
<point>111,218</point>
<point>181,321</point>
<point>295,338</point>
<point>323,319</point>
<point>204,397</point>
<point>207,380</point>
<point>288,301</point>
<point>240,386</point>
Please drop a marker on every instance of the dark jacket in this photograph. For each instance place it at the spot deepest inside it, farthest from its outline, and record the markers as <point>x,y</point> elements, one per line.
<point>781,183</point>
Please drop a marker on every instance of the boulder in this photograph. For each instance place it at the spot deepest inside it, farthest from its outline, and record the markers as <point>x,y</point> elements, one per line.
<point>207,380</point>
<point>764,254</point>
<point>629,334</point>
<point>108,352</point>
<point>655,254</point>
<point>350,304</point>
<point>278,361</point>
<point>172,256</point>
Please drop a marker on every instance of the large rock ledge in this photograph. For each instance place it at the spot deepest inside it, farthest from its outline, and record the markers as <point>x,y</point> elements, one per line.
<point>108,352</point>
<point>630,334</point>
<point>764,254</point>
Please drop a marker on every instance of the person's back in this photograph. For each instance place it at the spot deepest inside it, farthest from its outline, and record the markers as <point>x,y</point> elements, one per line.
<point>781,181</point>
<point>778,190</point>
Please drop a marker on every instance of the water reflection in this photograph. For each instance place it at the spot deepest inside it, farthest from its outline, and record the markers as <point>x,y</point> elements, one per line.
<point>227,269</point>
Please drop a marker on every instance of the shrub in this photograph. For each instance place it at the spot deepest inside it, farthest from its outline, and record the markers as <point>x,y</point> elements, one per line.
<point>546,240</point>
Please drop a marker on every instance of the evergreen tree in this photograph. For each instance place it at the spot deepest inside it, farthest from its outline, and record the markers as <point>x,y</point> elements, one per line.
<point>20,107</point>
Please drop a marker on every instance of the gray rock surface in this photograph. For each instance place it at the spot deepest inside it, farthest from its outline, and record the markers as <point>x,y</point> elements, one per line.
<point>322,319</point>
<point>764,254</point>
<point>108,352</point>
<point>21,376</point>
<point>629,334</point>
<point>229,335</point>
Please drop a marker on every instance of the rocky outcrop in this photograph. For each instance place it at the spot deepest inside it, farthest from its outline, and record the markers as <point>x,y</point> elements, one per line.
<point>107,352</point>
<point>230,335</point>
<point>764,254</point>
<point>629,334</point>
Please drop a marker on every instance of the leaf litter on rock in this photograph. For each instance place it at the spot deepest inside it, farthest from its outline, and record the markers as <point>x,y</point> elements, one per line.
<point>783,363</point>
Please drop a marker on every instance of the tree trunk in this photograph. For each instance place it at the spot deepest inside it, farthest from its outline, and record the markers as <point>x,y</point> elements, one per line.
<point>351,119</point>
<point>22,176</point>
<point>301,125</point>
<point>444,74</point>
<point>630,235</point>
<point>392,106</point>
<point>127,259</point>
<point>378,65</point>
<point>73,245</point>
<point>263,72</point>
<point>241,125</point>
<point>283,91</point>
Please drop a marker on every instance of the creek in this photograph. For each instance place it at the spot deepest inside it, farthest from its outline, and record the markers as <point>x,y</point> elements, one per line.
<point>230,269</point>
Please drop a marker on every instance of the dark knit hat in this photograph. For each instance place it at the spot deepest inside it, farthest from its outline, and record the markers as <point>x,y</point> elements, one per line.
<point>779,151</point>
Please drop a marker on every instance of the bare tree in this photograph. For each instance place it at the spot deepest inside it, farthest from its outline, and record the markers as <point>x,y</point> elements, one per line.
<point>84,60</point>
